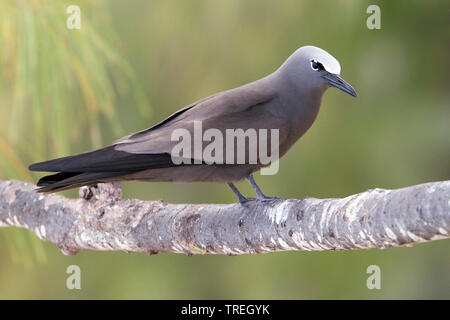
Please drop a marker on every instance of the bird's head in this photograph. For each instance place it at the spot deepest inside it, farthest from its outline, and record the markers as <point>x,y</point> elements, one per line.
<point>315,69</point>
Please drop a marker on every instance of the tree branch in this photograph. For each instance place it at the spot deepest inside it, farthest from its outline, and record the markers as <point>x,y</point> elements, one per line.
<point>101,220</point>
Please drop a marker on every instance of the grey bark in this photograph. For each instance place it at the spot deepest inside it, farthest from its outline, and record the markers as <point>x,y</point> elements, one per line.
<point>101,220</point>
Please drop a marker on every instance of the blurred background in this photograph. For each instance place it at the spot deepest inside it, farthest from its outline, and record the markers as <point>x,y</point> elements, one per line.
<point>132,63</point>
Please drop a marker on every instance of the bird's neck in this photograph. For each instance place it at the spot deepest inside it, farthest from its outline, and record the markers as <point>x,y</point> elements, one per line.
<point>299,106</point>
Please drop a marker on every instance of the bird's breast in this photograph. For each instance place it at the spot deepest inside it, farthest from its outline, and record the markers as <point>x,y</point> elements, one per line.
<point>300,116</point>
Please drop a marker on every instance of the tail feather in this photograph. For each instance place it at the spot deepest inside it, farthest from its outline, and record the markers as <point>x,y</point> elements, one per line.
<point>77,180</point>
<point>48,180</point>
<point>103,165</point>
<point>105,159</point>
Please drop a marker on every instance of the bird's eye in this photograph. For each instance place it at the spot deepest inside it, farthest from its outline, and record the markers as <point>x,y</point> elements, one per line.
<point>316,65</point>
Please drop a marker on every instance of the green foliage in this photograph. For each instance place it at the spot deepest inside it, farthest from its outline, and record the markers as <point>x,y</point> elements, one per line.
<point>56,83</point>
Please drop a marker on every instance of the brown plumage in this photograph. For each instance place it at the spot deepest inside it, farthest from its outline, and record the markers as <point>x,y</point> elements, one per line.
<point>287,100</point>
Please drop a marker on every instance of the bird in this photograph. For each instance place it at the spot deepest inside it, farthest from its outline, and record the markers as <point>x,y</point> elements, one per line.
<point>287,100</point>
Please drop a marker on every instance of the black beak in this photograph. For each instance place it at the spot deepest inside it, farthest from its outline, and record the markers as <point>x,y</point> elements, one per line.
<point>335,81</point>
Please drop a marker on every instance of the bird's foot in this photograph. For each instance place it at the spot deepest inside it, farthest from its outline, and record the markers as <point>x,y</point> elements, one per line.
<point>245,200</point>
<point>260,199</point>
<point>268,199</point>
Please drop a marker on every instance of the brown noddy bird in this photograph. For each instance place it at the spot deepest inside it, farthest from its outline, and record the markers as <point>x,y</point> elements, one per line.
<point>287,100</point>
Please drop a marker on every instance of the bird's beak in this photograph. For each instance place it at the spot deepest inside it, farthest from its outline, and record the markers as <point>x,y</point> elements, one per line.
<point>335,80</point>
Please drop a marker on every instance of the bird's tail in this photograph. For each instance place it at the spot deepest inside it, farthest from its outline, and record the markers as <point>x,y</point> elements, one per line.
<point>63,181</point>
<point>103,165</point>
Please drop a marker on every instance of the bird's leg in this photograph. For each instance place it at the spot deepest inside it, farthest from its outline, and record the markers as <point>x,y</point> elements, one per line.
<point>261,196</point>
<point>238,194</point>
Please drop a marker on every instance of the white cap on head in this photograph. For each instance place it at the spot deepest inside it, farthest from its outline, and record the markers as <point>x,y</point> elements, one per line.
<point>327,60</point>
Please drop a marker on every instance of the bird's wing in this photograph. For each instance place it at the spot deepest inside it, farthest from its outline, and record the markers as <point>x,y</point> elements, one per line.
<point>250,106</point>
<point>143,133</point>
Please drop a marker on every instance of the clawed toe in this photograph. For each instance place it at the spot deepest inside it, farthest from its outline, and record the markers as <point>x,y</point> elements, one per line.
<point>262,199</point>
<point>246,200</point>
<point>268,199</point>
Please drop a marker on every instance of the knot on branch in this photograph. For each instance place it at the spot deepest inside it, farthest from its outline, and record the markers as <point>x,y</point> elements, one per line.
<point>102,192</point>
